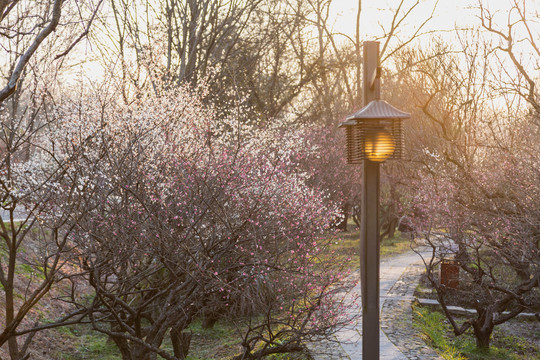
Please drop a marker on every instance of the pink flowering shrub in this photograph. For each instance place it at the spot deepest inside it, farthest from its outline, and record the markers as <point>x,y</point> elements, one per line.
<point>483,214</point>
<point>190,214</point>
<point>329,170</point>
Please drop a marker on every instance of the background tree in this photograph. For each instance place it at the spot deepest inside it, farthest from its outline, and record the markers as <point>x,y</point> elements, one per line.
<point>283,57</point>
<point>472,199</point>
<point>25,27</point>
<point>35,254</point>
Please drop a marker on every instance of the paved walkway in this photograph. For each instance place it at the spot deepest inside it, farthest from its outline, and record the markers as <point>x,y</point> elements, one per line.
<point>19,215</point>
<point>399,276</point>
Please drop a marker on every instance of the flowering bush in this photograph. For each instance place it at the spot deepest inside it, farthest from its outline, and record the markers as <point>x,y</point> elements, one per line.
<point>191,214</point>
<point>484,214</point>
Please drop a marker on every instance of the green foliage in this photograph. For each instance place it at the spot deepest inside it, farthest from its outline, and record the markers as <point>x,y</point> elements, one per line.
<point>503,346</point>
<point>344,248</point>
<point>29,271</point>
<point>286,357</point>
<point>221,341</point>
<point>87,344</point>
<point>467,346</point>
<point>433,329</point>
<point>97,347</point>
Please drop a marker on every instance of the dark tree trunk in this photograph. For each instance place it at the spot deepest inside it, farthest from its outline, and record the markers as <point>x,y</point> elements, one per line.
<point>522,270</point>
<point>140,352</point>
<point>392,227</point>
<point>483,338</point>
<point>483,327</point>
<point>346,208</point>
<point>208,322</point>
<point>209,318</point>
<point>133,350</point>
<point>180,342</point>
<point>123,346</point>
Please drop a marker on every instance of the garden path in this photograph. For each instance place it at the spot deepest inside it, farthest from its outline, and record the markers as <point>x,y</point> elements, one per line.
<point>393,274</point>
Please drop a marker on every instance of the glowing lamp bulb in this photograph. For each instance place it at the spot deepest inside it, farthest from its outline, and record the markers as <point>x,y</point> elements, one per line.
<point>379,145</point>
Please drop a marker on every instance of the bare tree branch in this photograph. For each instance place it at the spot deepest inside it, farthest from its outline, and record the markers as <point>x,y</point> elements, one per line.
<point>11,86</point>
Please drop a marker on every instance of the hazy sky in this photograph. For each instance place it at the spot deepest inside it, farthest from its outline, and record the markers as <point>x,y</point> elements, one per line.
<point>448,14</point>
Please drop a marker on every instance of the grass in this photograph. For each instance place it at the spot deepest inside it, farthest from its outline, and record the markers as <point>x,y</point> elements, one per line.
<point>433,330</point>
<point>95,346</point>
<point>345,246</point>
<point>437,333</point>
<point>399,244</point>
<point>222,341</point>
<point>86,344</point>
<point>29,271</point>
<point>215,343</point>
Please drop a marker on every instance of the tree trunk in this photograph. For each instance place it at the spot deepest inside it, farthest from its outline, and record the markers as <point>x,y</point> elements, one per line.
<point>522,270</point>
<point>180,342</point>
<point>140,352</point>
<point>346,207</point>
<point>392,228</point>
<point>9,293</point>
<point>210,316</point>
<point>483,335</point>
<point>123,346</point>
<point>209,320</point>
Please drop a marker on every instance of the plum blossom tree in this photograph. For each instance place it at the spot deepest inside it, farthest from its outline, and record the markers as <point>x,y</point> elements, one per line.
<point>328,169</point>
<point>487,216</point>
<point>34,251</point>
<point>193,215</point>
<point>35,254</point>
<point>475,185</point>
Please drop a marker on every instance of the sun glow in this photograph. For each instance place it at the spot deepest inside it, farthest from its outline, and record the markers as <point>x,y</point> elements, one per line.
<point>446,16</point>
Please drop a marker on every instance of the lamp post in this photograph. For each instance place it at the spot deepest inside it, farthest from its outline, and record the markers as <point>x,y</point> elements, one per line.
<point>374,134</point>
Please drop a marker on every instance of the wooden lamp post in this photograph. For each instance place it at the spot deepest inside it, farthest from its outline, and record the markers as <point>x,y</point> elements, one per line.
<point>374,134</point>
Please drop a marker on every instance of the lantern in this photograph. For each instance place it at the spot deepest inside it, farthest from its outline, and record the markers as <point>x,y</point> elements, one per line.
<point>374,133</point>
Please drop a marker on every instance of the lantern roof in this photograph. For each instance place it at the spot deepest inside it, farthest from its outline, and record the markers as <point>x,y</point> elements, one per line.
<point>375,110</point>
